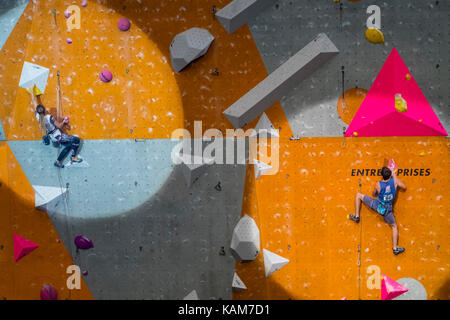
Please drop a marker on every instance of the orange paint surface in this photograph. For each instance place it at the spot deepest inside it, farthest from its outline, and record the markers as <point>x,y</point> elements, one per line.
<point>349,104</point>
<point>47,264</point>
<point>302,216</point>
<point>145,99</point>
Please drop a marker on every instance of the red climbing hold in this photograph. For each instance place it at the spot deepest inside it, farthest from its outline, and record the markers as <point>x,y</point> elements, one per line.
<point>22,247</point>
<point>123,24</point>
<point>49,293</point>
<point>391,289</point>
<point>106,76</point>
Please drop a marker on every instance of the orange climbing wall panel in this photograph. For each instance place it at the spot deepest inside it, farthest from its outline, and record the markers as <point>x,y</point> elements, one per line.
<point>45,265</point>
<point>302,216</point>
<point>146,99</point>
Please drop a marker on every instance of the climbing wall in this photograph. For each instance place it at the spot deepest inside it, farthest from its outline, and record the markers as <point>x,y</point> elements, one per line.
<point>148,227</point>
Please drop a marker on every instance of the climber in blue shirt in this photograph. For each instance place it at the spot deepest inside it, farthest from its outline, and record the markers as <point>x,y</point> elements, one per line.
<point>384,196</point>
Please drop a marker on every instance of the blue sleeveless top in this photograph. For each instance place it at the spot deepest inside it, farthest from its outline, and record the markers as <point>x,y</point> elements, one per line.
<point>386,196</point>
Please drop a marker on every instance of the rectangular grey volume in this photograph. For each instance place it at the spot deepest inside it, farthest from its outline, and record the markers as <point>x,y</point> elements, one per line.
<point>314,55</point>
<point>237,13</point>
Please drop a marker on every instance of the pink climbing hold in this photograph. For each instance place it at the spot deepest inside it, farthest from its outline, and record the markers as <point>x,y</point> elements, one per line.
<point>391,289</point>
<point>377,115</point>
<point>123,24</point>
<point>106,76</point>
<point>67,14</point>
<point>22,247</point>
<point>83,242</point>
<point>48,293</point>
<point>84,3</point>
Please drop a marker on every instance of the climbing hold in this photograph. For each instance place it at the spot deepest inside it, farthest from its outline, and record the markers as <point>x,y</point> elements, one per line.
<point>123,24</point>
<point>408,76</point>
<point>400,103</point>
<point>265,128</point>
<point>85,273</point>
<point>245,240</point>
<point>22,247</point>
<point>422,154</point>
<point>33,74</point>
<point>69,41</point>
<point>391,289</point>
<point>189,46</point>
<point>273,262</point>
<point>355,133</point>
<point>83,242</point>
<point>238,284</point>
<point>67,14</point>
<point>374,35</point>
<point>84,3</point>
<point>261,168</point>
<point>48,293</point>
<point>106,76</point>
<point>191,296</point>
<point>48,197</point>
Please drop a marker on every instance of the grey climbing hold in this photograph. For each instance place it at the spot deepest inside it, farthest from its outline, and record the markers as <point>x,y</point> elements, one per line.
<point>188,46</point>
<point>238,284</point>
<point>245,240</point>
<point>265,128</point>
<point>192,296</point>
<point>193,167</point>
<point>314,55</point>
<point>416,291</point>
<point>273,262</point>
<point>238,12</point>
<point>260,168</point>
<point>47,198</point>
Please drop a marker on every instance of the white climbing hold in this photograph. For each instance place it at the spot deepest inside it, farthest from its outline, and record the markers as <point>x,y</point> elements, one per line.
<point>265,128</point>
<point>238,284</point>
<point>260,168</point>
<point>46,196</point>
<point>33,74</point>
<point>273,262</point>
<point>245,240</point>
<point>192,296</point>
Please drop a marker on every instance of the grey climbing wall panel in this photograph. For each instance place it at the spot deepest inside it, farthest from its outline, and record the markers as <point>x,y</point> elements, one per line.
<point>167,234</point>
<point>313,56</point>
<point>417,29</point>
<point>237,13</point>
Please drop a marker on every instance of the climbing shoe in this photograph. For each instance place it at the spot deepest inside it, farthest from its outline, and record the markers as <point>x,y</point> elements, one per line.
<point>354,218</point>
<point>398,250</point>
<point>76,160</point>
<point>58,165</point>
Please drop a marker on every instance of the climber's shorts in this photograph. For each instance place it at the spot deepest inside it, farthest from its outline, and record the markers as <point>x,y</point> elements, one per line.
<point>374,204</point>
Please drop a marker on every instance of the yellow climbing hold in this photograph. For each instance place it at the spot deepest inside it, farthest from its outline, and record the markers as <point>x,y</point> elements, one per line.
<point>35,91</point>
<point>355,133</point>
<point>408,76</point>
<point>420,120</point>
<point>400,103</point>
<point>374,35</point>
<point>422,154</point>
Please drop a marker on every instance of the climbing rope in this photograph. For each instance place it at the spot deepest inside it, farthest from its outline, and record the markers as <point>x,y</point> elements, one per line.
<point>359,249</point>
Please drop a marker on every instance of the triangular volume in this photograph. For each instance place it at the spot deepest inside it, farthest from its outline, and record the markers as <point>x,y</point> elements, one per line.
<point>273,262</point>
<point>391,289</point>
<point>265,128</point>
<point>238,284</point>
<point>33,74</point>
<point>22,247</point>
<point>260,168</point>
<point>378,115</point>
<point>191,296</point>
<point>2,133</point>
<point>44,195</point>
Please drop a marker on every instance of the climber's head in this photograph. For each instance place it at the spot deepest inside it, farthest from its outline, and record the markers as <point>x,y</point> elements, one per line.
<point>386,173</point>
<point>40,109</point>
